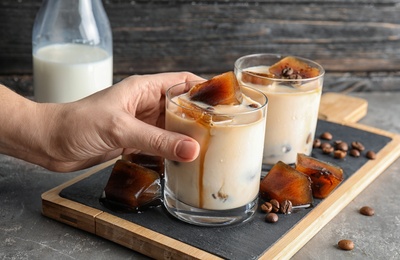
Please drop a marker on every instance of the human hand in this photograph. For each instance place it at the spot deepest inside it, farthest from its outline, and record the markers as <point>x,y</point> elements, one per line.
<point>125,118</point>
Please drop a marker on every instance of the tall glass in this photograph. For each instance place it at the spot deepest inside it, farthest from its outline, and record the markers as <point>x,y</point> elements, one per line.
<point>292,107</point>
<point>221,186</point>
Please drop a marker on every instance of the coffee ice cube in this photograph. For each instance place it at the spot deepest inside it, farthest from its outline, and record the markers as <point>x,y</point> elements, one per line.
<point>285,183</point>
<point>325,176</point>
<point>202,115</point>
<point>290,67</point>
<point>132,187</point>
<point>222,89</point>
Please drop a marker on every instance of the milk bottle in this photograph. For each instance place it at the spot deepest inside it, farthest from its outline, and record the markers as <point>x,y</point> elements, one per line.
<point>72,50</point>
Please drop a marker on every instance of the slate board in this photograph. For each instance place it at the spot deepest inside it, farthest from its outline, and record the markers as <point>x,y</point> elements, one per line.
<point>249,240</point>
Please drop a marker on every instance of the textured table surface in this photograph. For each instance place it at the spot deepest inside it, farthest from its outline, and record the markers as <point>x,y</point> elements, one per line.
<point>26,234</point>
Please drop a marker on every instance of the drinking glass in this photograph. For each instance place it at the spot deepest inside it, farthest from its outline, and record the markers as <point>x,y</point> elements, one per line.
<point>293,106</point>
<point>221,186</point>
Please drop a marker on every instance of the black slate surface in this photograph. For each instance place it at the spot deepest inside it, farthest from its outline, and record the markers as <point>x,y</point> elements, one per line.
<point>244,241</point>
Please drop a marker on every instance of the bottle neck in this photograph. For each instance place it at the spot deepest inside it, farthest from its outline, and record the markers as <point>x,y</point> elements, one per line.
<point>72,21</point>
<point>88,25</point>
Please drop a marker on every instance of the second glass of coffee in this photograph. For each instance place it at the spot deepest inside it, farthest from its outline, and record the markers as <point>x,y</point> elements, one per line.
<point>293,86</point>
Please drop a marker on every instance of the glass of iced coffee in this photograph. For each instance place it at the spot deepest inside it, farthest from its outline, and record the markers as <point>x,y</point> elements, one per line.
<point>221,186</point>
<point>293,86</point>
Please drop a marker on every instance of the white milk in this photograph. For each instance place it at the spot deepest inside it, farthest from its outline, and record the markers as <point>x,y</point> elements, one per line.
<point>68,72</point>
<point>291,119</point>
<point>226,175</point>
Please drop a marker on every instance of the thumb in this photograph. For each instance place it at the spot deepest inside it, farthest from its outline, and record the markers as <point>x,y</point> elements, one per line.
<point>157,141</point>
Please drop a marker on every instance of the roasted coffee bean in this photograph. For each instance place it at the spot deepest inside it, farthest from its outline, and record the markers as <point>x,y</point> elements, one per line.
<point>325,145</point>
<point>357,145</point>
<point>317,143</point>
<point>371,155</point>
<point>266,207</point>
<point>326,136</point>
<point>343,146</point>
<point>271,218</point>
<point>275,205</point>
<point>367,211</point>
<point>327,149</point>
<point>336,142</point>
<point>287,71</point>
<point>295,76</point>
<point>346,244</point>
<point>354,153</point>
<point>339,154</point>
<point>286,207</point>
<point>254,105</point>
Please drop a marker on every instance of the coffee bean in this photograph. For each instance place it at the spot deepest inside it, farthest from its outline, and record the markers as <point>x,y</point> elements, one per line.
<point>271,218</point>
<point>275,205</point>
<point>339,154</point>
<point>326,136</point>
<point>354,153</point>
<point>343,146</point>
<point>357,145</point>
<point>287,71</point>
<point>327,149</point>
<point>266,207</point>
<point>317,143</point>
<point>371,155</point>
<point>367,211</point>
<point>346,244</point>
<point>295,76</point>
<point>325,145</point>
<point>286,207</point>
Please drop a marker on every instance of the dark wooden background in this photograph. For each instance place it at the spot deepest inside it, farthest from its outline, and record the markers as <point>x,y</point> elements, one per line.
<point>356,41</point>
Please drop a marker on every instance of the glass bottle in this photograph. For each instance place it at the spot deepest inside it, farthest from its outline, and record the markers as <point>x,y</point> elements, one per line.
<point>72,50</point>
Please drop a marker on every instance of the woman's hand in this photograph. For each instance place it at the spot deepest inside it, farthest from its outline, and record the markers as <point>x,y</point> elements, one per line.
<point>125,118</point>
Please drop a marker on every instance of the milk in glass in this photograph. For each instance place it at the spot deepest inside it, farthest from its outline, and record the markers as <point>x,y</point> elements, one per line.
<point>226,174</point>
<point>293,104</point>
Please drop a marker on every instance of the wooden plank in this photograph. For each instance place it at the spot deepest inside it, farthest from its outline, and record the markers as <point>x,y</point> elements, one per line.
<point>207,36</point>
<point>333,82</point>
<point>159,246</point>
<point>342,109</point>
<point>70,212</point>
<point>145,241</point>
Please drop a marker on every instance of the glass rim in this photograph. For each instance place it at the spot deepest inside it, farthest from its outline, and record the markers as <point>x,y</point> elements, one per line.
<point>279,56</point>
<point>253,110</point>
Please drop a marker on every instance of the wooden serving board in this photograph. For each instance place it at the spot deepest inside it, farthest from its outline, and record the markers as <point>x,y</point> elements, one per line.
<point>160,236</point>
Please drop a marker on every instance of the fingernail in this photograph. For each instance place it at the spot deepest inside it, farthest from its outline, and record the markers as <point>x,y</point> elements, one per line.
<point>187,150</point>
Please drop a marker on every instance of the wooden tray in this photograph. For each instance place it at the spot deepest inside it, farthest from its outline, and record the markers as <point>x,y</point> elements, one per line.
<point>191,242</point>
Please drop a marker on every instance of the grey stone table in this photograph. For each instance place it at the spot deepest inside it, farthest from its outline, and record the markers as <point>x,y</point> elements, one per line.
<point>26,234</point>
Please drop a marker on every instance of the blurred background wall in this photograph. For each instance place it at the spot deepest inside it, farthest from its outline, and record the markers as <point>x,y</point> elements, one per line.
<point>356,41</point>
